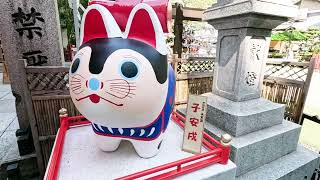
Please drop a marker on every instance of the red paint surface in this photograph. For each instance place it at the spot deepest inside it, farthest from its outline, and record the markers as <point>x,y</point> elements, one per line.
<point>142,30</point>
<point>94,26</point>
<point>120,9</point>
<point>95,98</point>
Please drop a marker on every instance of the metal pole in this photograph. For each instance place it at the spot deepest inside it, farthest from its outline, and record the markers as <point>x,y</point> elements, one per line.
<point>76,20</point>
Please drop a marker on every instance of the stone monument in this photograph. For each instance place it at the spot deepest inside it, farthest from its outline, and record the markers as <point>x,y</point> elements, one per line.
<point>30,29</point>
<point>264,145</point>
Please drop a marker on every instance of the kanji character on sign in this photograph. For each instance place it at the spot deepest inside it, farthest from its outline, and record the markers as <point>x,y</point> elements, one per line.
<point>195,107</point>
<point>192,136</point>
<point>35,58</point>
<point>28,22</point>
<point>194,122</point>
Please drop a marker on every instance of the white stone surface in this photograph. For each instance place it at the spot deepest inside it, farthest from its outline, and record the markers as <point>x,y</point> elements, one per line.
<point>227,8</point>
<point>81,159</point>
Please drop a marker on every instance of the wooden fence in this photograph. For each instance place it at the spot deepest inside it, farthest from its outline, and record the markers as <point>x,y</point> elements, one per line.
<point>285,82</point>
<point>46,92</point>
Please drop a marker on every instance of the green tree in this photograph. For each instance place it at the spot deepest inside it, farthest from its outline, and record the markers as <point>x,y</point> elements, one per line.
<point>66,18</point>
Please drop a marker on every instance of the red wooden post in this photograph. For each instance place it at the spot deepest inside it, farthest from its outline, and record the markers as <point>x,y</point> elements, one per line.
<point>225,145</point>
<point>63,114</point>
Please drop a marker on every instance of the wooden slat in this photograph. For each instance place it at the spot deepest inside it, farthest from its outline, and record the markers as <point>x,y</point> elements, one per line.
<point>278,62</point>
<point>189,14</point>
<point>185,76</point>
<point>51,93</point>
<point>46,69</point>
<point>36,98</point>
<point>284,81</point>
<point>201,59</point>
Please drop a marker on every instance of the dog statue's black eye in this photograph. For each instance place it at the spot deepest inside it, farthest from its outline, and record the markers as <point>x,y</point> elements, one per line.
<point>75,65</point>
<point>129,69</point>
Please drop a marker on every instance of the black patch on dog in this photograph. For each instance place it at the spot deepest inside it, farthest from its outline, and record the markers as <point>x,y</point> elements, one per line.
<point>103,48</point>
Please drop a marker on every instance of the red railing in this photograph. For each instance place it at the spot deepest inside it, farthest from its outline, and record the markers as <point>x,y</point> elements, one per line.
<point>217,153</point>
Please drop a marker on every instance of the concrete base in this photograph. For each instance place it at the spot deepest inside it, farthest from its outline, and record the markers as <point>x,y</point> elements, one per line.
<point>240,118</point>
<point>295,166</point>
<point>261,147</point>
<point>82,159</point>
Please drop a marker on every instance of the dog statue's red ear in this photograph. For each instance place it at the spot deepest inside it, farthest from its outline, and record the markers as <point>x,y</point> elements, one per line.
<point>144,25</point>
<point>98,22</point>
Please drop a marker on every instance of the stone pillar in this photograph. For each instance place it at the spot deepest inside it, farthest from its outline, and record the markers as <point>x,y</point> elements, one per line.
<point>243,42</point>
<point>244,31</point>
<point>30,29</point>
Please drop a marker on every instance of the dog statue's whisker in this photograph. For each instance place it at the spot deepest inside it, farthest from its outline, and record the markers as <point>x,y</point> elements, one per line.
<point>119,94</point>
<point>78,76</point>
<point>120,90</point>
<point>71,84</point>
<point>117,91</point>
<point>74,82</point>
<point>76,89</point>
<point>77,79</point>
<point>79,92</point>
<point>122,95</point>
<point>73,79</point>
<point>128,88</point>
<point>121,86</point>
<point>124,90</point>
<point>122,83</point>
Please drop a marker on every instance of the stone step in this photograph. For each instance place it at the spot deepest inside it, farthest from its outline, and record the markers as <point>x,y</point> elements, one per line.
<point>261,147</point>
<point>240,118</point>
<point>294,166</point>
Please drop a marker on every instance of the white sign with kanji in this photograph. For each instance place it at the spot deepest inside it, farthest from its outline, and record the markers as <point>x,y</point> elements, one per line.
<point>194,125</point>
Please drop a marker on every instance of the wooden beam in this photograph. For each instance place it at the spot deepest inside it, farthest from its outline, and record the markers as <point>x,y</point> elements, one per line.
<point>46,69</point>
<point>178,30</point>
<point>192,14</point>
<point>189,14</point>
<point>306,88</point>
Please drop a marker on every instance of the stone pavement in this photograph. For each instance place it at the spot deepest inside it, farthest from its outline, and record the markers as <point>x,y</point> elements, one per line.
<point>8,124</point>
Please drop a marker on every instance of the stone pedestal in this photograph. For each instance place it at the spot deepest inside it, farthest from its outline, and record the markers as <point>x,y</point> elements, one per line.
<point>260,136</point>
<point>240,118</point>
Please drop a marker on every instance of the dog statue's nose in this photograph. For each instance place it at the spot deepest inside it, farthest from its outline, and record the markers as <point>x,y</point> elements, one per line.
<point>94,84</point>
